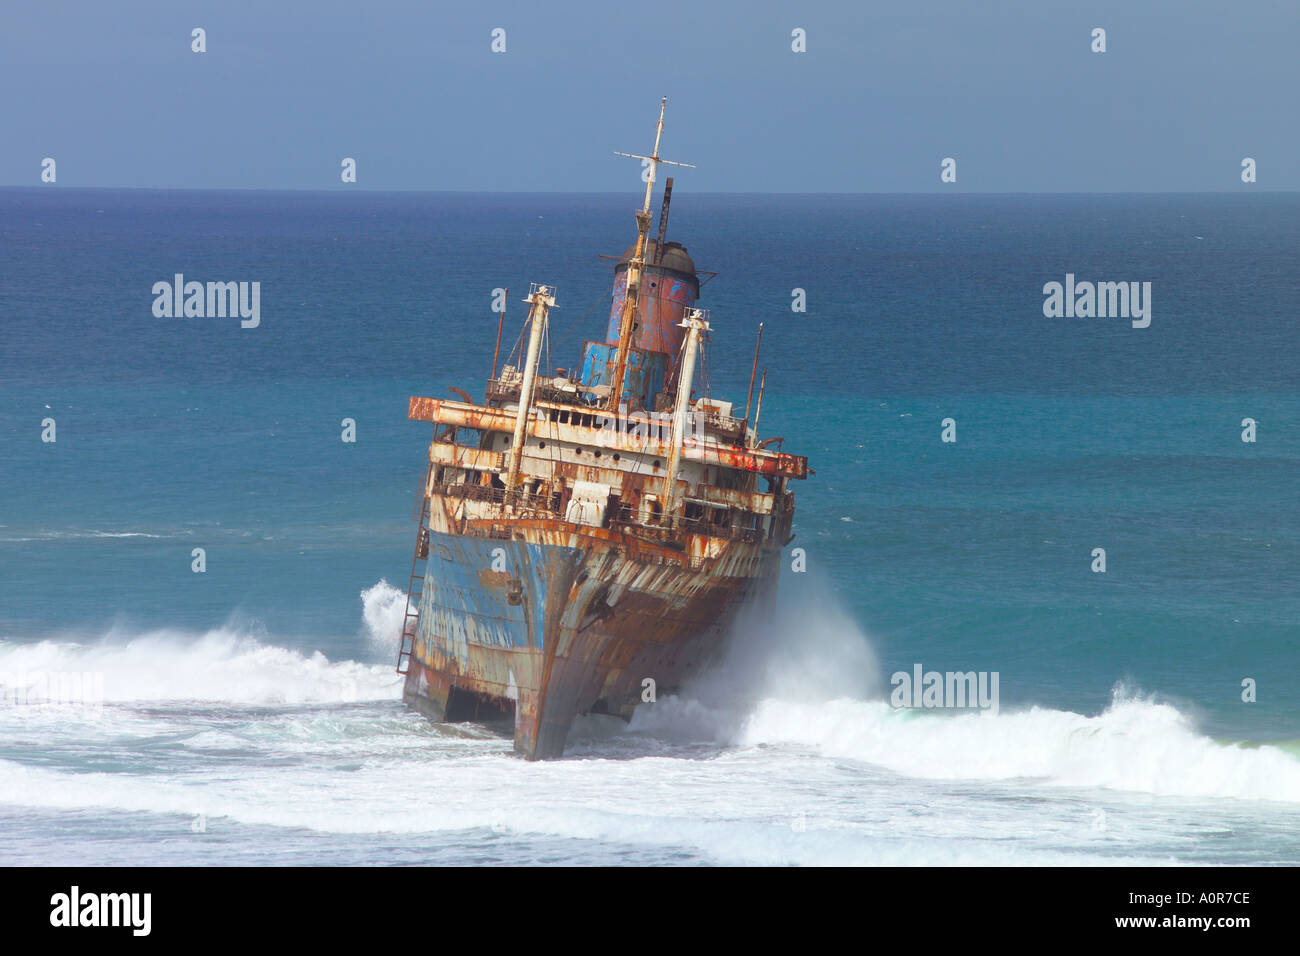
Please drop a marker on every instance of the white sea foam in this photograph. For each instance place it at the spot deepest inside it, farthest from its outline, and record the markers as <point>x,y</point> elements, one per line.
<point>222,665</point>
<point>1134,745</point>
<point>485,800</point>
<point>803,759</point>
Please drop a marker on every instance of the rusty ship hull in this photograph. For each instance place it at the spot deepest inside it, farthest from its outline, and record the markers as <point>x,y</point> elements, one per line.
<point>587,539</point>
<point>600,616</point>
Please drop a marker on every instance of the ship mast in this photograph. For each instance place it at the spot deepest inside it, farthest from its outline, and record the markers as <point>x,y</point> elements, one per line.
<point>637,262</point>
<point>696,322</point>
<point>542,300</point>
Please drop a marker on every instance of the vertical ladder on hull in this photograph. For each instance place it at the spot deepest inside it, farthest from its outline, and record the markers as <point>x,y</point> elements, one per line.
<point>411,619</point>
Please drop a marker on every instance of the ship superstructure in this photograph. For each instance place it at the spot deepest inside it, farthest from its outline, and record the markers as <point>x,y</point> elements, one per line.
<point>587,539</point>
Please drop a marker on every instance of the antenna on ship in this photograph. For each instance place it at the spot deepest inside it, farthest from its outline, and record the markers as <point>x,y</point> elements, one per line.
<point>752,374</point>
<point>663,220</point>
<point>637,262</point>
<point>501,321</point>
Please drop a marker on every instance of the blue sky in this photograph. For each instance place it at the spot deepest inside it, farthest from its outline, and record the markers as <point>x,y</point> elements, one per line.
<point>885,91</point>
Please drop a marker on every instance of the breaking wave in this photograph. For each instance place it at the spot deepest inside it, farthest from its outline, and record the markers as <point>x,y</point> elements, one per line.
<point>802,679</point>
<point>808,678</point>
<point>227,665</point>
<point>219,666</point>
<point>1134,745</point>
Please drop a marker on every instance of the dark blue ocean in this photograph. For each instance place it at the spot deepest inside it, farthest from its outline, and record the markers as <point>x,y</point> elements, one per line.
<point>250,713</point>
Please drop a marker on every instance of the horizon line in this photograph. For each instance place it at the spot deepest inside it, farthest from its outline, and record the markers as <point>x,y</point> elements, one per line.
<point>594,192</point>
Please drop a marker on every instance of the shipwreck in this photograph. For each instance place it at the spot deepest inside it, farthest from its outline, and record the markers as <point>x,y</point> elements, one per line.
<point>587,538</point>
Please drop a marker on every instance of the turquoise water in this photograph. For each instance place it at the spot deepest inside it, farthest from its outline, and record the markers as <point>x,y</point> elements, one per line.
<point>260,693</point>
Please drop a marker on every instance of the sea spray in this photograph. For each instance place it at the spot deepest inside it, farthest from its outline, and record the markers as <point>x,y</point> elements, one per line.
<point>383,608</point>
<point>805,649</point>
